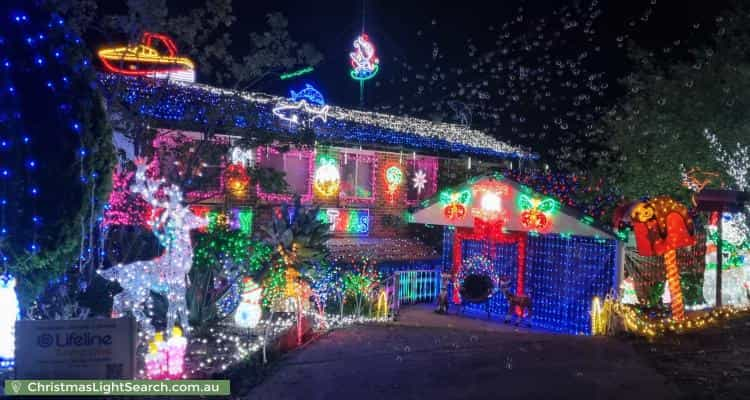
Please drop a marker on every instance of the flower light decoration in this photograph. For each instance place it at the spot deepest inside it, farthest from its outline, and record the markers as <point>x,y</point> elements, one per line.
<point>455,203</point>
<point>490,194</point>
<point>365,64</point>
<point>303,107</point>
<point>536,213</point>
<point>394,176</point>
<point>9,305</point>
<point>237,180</point>
<point>145,60</point>
<point>165,274</point>
<point>248,313</point>
<point>327,179</point>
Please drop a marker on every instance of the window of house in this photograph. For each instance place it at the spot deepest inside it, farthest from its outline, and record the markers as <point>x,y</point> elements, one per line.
<point>296,166</point>
<point>421,179</point>
<point>357,177</point>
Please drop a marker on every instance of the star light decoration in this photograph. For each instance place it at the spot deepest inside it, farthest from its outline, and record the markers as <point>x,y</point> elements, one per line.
<point>165,274</point>
<point>419,180</point>
<point>490,194</point>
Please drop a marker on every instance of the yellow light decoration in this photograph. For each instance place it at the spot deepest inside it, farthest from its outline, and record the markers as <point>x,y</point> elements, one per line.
<point>144,60</point>
<point>601,314</point>
<point>291,276</point>
<point>381,308</point>
<point>327,179</point>
<point>636,323</point>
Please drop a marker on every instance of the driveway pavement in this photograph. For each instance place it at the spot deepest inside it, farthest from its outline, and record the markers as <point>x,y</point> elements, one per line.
<point>430,356</point>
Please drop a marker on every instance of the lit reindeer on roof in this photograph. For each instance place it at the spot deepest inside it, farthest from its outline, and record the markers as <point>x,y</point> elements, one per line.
<point>166,274</point>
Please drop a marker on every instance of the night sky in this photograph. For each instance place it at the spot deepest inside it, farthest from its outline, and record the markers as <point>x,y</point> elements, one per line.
<point>432,53</point>
<point>393,26</point>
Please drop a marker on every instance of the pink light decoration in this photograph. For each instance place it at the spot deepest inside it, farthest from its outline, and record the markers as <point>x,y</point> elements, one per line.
<point>176,346</point>
<point>373,161</point>
<point>123,207</point>
<point>169,139</point>
<point>305,198</point>
<point>430,166</point>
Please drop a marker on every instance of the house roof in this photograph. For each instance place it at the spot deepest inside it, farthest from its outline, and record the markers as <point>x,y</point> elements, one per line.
<point>564,220</point>
<point>187,105</point>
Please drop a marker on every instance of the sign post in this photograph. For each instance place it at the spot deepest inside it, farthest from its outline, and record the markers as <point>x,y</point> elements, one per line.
<point>76,349</point>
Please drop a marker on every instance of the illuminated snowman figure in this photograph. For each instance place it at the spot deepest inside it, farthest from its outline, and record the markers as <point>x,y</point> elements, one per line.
<point>248,313</point>
<point>8,316</point>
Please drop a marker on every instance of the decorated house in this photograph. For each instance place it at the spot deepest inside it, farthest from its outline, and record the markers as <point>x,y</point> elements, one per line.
<point>553,259</point>
<point>364,170</point>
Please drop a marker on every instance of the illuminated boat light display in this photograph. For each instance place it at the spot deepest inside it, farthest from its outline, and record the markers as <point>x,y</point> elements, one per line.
<point>145,60</point>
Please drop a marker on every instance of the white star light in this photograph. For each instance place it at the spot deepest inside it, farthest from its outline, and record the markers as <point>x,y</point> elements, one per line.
<point>419,180</point>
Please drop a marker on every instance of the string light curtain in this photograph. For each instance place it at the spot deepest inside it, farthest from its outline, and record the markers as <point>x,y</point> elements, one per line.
<point>563,275</point>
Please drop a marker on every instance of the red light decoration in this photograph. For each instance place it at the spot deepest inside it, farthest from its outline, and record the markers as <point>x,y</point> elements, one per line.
<point>536,214</point>
<point>661,226</point>
<point>493,234</point>
<point>144,60</point>
<point>237,180</point>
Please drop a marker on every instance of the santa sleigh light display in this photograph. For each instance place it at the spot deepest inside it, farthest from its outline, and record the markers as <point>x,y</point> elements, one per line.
<point>145,60</point>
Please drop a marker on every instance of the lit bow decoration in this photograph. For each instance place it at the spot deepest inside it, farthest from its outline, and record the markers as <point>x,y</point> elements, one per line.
<point>536,213</point>
<point>455,203</point>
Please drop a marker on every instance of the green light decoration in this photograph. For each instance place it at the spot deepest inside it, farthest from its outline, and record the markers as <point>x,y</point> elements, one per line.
<point>394,176</point>
<point>449,197</point>
<point>245,221</point>
<point>735,252</point>
<point>273,286</point>
<point>354,75</point>
<point>222,245</point>
<point>587,219</point>
<point>294,74</point>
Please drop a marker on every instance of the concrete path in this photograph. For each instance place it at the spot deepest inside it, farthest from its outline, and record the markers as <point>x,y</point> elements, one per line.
<point>430,356</point>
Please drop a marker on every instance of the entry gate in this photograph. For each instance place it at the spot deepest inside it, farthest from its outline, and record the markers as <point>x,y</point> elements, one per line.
<point>413,286</point>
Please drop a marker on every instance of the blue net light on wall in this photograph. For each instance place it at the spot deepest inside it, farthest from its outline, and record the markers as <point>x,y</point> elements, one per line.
<point>562,275</point>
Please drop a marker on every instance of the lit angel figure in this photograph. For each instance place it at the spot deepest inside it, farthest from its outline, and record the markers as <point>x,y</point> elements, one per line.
<point>165,274</point>
<point>364,63</point>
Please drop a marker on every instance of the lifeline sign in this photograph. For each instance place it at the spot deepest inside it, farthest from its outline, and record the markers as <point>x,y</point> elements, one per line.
<point>76,349</point>
<point>346,221</point>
